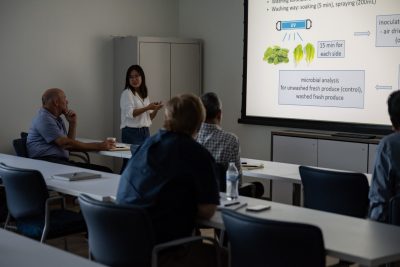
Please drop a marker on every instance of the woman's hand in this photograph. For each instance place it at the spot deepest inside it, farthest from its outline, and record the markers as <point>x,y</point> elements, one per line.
<point>155,106</point>
<point>159,105</point>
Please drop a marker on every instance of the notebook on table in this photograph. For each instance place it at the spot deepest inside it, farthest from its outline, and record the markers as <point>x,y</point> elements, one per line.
<point>76,176</point>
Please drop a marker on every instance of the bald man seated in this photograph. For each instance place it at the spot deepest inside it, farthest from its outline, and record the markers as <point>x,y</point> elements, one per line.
<point>48,138</point>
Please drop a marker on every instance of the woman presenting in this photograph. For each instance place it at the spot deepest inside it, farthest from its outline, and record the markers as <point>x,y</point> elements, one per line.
<point>136,110</point>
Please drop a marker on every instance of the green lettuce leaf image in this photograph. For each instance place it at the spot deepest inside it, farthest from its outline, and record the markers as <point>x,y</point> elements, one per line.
<point>276,55</point>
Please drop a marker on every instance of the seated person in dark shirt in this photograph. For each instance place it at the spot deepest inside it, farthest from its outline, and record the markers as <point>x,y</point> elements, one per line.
<point>48,138</point>
<point>172,176</point>
<point>385,182</point>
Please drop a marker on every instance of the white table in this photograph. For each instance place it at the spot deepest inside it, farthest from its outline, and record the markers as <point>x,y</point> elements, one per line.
<point>16,250</point>
<point>272,170</point>
<point>279,171</point>
<point>101,188</point>
<point>118,154</point>
<point>285,172</point>
<point>367,242</point>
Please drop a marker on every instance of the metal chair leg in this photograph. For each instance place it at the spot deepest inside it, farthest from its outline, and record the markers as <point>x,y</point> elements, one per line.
<point>7,221</point>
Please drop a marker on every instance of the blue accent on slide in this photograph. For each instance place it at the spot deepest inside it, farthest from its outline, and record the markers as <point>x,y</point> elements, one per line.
<point>293,24</point>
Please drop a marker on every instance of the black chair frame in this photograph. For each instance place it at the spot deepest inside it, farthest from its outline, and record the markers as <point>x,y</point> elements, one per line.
<point>261,242</point>
<point>32,201</point>
<point>129,232</point>
<point>339,192</point>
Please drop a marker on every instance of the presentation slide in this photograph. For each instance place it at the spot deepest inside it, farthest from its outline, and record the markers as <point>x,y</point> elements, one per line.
<point>334,61</point>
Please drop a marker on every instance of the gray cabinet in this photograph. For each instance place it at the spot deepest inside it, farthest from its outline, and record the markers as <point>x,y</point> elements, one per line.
<point>320,150</point>
<point>295,150</point>
<point>172,66</point>
<point>291,150</point>
<point>343,155</point>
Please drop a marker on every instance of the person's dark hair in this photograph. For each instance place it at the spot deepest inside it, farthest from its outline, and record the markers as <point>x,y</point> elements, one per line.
<point>184,114</point>
<point>394,109</point>
<point>211,104</point>
<point>143,88</point>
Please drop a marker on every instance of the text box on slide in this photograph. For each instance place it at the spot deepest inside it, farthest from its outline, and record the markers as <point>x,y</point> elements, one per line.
<point>388,30</point>
<point>323,88</point>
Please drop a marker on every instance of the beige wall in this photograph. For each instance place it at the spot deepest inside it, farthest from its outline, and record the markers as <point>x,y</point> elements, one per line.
<point>68,44</point>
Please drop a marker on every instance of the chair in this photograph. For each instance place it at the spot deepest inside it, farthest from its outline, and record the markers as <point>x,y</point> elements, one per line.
<point>394,210</point>
<point>3,204</point>
<point>254,189</point>
<point>19,145</point>
<point>260,242</point>
<point>122,235</point>
<point>344,193</point>
<point>28,202</point>
<point>339,192</point>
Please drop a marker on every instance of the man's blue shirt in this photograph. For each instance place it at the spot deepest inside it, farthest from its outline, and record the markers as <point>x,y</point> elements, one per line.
<point>44,130</point>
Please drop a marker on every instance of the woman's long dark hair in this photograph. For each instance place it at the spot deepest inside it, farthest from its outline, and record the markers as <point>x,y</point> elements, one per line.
<point>143,88</point>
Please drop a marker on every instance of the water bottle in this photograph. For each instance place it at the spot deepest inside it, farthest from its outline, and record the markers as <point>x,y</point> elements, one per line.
<point>232,182</point>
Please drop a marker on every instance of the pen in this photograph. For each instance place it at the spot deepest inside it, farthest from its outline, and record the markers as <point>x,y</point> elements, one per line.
<point>231,204</point>
<point>240,206</point>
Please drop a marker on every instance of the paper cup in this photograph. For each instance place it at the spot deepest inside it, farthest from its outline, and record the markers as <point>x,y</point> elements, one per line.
<point>112,139</point>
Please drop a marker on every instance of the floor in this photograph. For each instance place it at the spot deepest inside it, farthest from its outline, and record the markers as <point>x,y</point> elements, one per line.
<point>77,244</point>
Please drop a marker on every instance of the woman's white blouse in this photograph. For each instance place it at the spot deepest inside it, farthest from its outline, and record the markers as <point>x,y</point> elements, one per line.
<point>128,103</point>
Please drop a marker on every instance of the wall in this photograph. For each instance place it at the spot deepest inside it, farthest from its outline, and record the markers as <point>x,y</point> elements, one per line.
<point>220,24</point>
<point>68,44</point>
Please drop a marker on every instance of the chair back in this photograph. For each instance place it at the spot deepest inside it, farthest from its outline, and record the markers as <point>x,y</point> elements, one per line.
<point>23,135</point>
<point>20,147</point>
<point>119,235</point>
<point>260,242</point>
<point>3,204</point>
<point>344,193</point>
<point>394,210</point>
<point>26,192</point>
